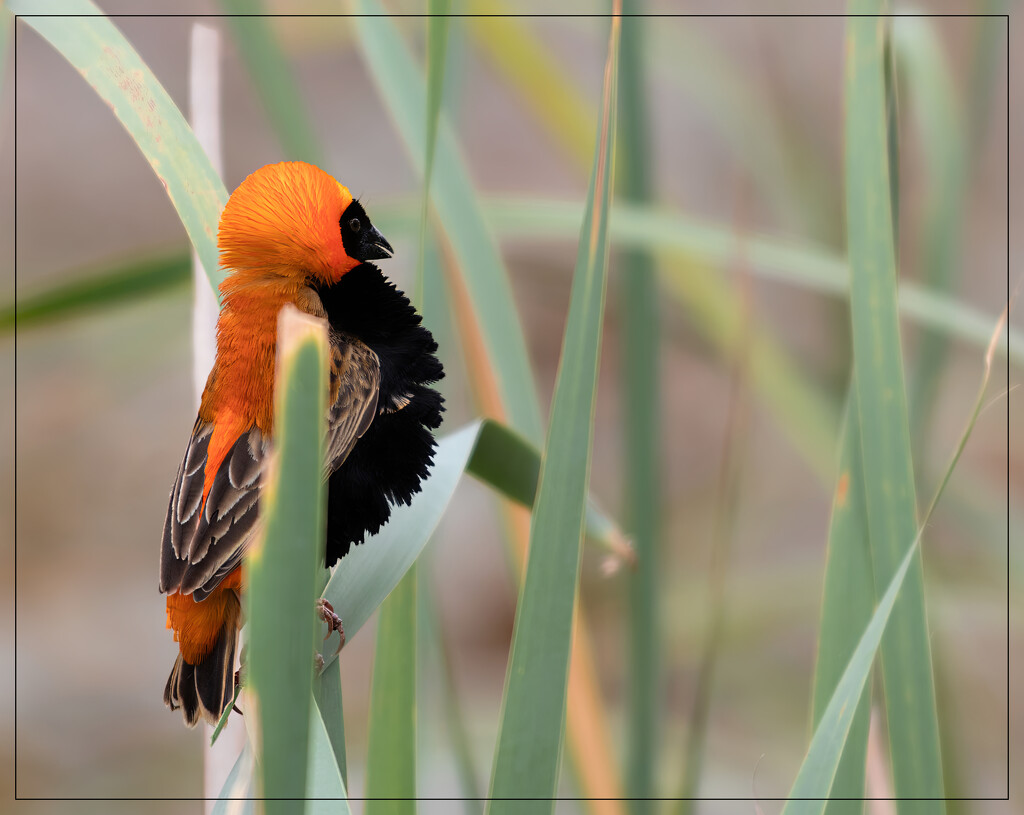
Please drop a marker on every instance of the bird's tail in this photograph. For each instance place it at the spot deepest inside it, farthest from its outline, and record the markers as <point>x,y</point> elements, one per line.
<point>204,690</point>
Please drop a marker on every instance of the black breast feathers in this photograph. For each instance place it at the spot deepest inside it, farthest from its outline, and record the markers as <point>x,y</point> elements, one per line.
<point>388,463</point>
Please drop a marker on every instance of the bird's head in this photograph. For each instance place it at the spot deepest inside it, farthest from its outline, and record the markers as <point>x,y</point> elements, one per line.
<point>293,219</point>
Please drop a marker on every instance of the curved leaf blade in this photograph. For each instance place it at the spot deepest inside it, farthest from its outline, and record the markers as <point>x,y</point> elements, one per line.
<point>108,62</point>
<point>370,571</point>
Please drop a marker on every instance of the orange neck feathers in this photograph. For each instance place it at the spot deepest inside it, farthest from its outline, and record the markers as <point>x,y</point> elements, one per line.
<point>279,233</point>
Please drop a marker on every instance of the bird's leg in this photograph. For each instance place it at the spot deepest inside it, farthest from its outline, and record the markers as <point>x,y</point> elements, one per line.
<point>326,613</point>
<point>240,674</point>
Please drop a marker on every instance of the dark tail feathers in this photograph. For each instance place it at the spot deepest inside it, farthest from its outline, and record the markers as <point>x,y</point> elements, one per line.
<point>206,689</point>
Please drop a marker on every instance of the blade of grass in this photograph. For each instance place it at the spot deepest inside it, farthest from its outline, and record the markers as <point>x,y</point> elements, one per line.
<point>528,754</point>
<point>507,462</point>
<point>847,603</point>
<point>499,357</point>
<point>325,788</point>
<point>942,129</point>
<point>402,89</point>
<point>800,264</point>
<point>589,736</point>
<point>638,299</point>
<point>282,567</point>
<point>462,749</point>
<point>815,779</point>
<point>789,169</point>
<point>890,496</point>
<point>391,761</point>
<point>272,78</point>
<point>542,83</point>
<point>391,756</point>
<point>989,38</point>
<point>96,289</point>
<point>726,512</point>
<point>892,134</point>
<point>437,49</point>
<point>327,695</point>
<point>817,772</point>
<point>107,61</point>
<point>799,406</point>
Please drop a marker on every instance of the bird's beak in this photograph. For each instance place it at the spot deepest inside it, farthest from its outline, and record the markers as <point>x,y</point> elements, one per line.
<point>374,246</point>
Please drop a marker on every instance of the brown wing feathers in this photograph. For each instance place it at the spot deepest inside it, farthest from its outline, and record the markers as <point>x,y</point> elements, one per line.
<point>205,541</point>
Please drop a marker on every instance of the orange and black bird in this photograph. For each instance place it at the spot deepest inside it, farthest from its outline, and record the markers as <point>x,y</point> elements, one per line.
<point>292,234</point>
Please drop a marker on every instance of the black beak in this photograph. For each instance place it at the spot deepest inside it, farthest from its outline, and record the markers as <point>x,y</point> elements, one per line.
<point>374,246</point>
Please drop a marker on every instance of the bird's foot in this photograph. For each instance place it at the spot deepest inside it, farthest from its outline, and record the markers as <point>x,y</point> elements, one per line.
<point>326,613</point>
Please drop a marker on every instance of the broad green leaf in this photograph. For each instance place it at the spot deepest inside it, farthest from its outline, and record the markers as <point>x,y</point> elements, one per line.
<point>272,78</point>
<point>847,605</point>
<point>370,571</point>
<point>327,695</point>
<point>391,756</point>
<point>507,462</point>
<point>282,567</point>
<point>325,787</point>
<point>638,301</point>
<point>890,495</point>
<point>107,61</point>
<point>94,289</point>
<point>402,90</point>
<point>528,755</point>
<point>238,784</point>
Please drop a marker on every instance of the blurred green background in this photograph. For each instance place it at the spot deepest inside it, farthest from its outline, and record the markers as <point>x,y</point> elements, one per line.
<point>746,136</point>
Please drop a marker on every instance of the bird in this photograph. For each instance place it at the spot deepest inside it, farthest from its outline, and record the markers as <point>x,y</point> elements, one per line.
<point>290,233</point>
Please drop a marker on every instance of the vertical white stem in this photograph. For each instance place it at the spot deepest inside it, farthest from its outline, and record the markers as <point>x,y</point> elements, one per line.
<point>877,784</point>
<point>204,101</point>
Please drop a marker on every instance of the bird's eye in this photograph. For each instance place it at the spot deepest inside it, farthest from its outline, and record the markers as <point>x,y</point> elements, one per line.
<point>355,225</point>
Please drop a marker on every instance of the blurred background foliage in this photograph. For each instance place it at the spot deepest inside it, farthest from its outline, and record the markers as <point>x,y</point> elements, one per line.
<point>726,364</point>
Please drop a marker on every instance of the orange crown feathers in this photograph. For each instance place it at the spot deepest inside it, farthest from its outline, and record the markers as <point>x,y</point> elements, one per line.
<point>284,219</point>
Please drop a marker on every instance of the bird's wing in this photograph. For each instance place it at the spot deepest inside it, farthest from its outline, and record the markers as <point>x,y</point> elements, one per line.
<point>355,383</point>
<point>204,541</point>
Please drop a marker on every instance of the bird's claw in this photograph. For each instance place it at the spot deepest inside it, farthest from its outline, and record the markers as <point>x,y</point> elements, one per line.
<point>326,613</point>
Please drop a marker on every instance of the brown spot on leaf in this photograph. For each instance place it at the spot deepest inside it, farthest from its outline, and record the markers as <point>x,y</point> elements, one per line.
<point>842,488</point>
